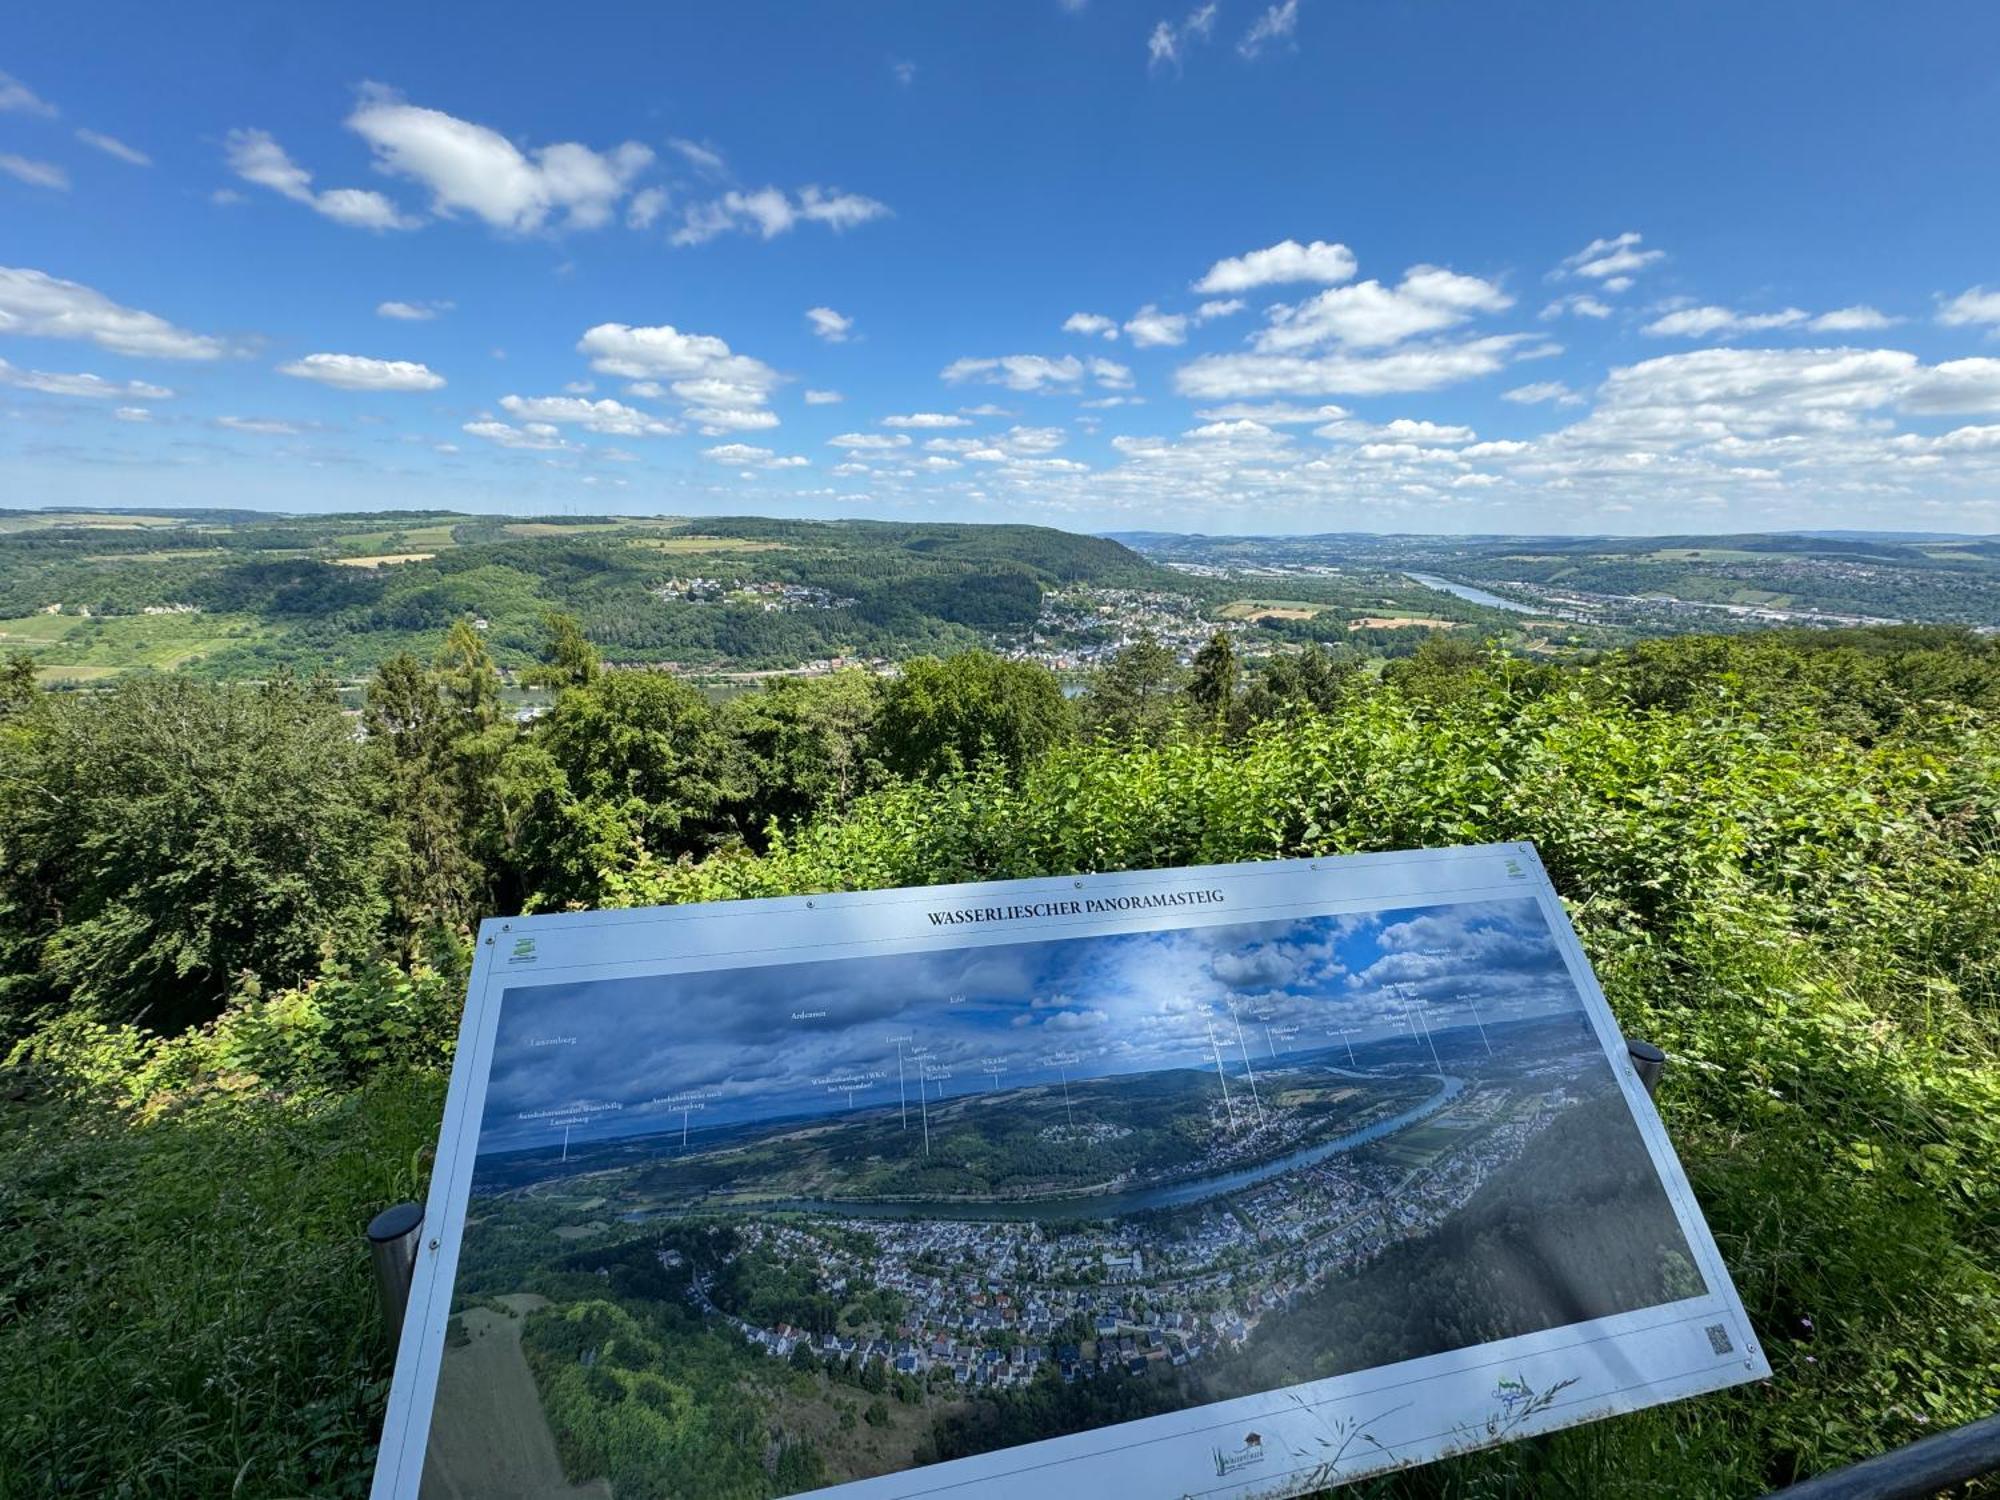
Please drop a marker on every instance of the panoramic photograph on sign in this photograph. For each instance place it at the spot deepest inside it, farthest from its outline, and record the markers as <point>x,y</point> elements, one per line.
<point>1113,1166</point>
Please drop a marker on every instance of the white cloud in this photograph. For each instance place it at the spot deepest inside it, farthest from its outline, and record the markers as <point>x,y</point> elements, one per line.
<point>745,456</point>
<point>1277,24</point>
<point>1279,264</point>
<point>1722,322</point>
<point>412,312</point>
<point>1272,414</point>
<point>1225,377</point>
<point>1857,319</point>
<point>700,156</point>
<point>1091,325</point>
<point>110,145</point>
<point>1110,374</point>
<point>827,324</point>
<point>1221,307</point>
<point>904,69</point>
<point>1150,328</point>
<point>1166,45</point>
<point>926,419</point>
<point>770,211</point>
<point>472,169</point>
<point>725,391</point>
<point>1370,315</point>
<point>1975,305</point>
<point>35,173</point>
<point>824,398</point>
<point>716,420</point>
<point>1579,304</point>
<point>1017,372</point>
<point>133,414</point>
<point>870,442</point>
<point>1957,385</point>
<point>51,383</point>
<point>1542,390</point>
<point>38,305</point>
<point>255,156</point>
<point>540,437</point>
<point>17,97</point>
<point>611,418</point>
<point>262,426</point>
<point>357,372</point>
<point>1615,259</point>
<point>646,207</point>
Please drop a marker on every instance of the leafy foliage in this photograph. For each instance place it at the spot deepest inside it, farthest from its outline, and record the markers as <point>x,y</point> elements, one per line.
<point>1782,854</point>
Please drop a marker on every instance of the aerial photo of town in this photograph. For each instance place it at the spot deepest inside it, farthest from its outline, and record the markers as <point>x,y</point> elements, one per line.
<point>922,1206</point>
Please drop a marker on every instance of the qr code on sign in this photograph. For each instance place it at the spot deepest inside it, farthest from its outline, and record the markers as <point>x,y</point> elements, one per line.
<point>1718,1339</point>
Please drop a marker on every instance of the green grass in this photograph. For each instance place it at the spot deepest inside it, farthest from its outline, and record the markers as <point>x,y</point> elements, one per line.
<point>187,1307</point>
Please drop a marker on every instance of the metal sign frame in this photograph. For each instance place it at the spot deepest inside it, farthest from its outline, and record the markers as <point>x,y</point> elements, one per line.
<point>1279,1442</point>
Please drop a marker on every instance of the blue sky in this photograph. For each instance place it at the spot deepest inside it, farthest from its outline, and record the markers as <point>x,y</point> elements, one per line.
<point>1562,267</point>
<point>792,1038</point>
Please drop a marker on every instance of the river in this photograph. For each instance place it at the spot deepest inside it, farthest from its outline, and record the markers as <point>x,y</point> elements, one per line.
<point>1117,1205</point>
<point>1472,595</point>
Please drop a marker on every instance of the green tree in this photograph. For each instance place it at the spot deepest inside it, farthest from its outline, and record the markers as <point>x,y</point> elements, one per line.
<point>1134,695</point>
<point>942,716</point>
<point>1213,682</point>
<point>165,837</point>
<point>1316,678</point>
<point>808,743</point>
<point>568,657</point>
<point>625,764</point>
<point>431,876</point>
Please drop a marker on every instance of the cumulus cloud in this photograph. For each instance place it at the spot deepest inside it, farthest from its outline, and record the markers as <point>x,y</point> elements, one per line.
<point>827,324</point>
<point>256,157</point>
<point>261,426</point>
<point>1225,377</point>
<point>1614,260</point>
<point>45,174</point>
<point>94,387</point>
<point>1221,307</point>
<point>1578,304</point>
<point>1856,319</point>
<point>824,398</point>
<point>110,145</point>
<point>1149,328</point>
<point>611,418</point>
<point>1370,315</point>
<point>1018,372</point>
<point>1091,325</point>
<point>770,212</point>
<point>870,442</point>
<point>357,372</point>
<point>1277,24</point>
<point>646,207</point>
<point>1973,307</point>
<point>926,419</point>
<point>1276,265</point>
<point>412,312</point>
<point>1539,391</point>
<point>745,456</point>
<point>469,168</point>
<point>1722,322</point>
<point>539,437</point>
<point>43,306</point>
<point>724,391</point>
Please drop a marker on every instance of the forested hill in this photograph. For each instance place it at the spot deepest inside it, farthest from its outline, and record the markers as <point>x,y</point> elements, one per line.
<point>229,596</point>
